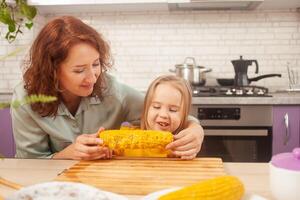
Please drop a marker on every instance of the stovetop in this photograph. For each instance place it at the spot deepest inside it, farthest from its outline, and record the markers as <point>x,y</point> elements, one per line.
<point>230,91</point>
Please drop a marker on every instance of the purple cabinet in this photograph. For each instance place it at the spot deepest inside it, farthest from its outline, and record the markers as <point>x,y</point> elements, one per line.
<point>286,128</point>
<point>7,145</point>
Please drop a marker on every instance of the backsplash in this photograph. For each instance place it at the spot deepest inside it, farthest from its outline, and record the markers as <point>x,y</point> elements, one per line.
<point>147,44</point>
<point>10,67</point>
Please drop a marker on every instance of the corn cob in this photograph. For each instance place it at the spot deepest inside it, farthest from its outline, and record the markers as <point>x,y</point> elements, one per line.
<point>137,143</point>
<point>219,188</point>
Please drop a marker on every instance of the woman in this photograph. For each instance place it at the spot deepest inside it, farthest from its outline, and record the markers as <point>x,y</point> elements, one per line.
<point>69,60</point>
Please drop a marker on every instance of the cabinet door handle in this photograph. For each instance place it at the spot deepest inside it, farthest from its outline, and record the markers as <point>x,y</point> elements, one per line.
<point>287,132</point>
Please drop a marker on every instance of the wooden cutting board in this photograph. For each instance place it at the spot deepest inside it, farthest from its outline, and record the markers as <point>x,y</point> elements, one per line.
<point>142,176</point>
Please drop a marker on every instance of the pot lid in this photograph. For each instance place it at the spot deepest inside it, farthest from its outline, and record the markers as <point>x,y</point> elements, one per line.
<point>189,62</point>
<point>185,65</point>
<point>289,160</point>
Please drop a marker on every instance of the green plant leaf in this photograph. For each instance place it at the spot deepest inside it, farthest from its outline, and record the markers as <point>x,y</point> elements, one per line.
<point>5,16</point>
<point>15,104</point>
<point>11,27</point>
<point>4,105</point>
<point>16,16</point>
<point>39,98</point>
<point>10,37</point>
<point>29,25</point>
<point>7,34</point>
<point>28,11</point>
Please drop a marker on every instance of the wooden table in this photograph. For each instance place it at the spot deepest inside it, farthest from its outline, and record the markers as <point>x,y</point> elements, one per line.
<point>255,176</point>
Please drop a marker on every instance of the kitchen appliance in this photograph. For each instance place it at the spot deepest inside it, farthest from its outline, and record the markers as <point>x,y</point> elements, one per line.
<point>230,91</point>
<point>190,71</point>
<point>241,70</point>
<point>241,74</point>
<point>236,133</point>
<point>285,175</point>
<point>189,5</point>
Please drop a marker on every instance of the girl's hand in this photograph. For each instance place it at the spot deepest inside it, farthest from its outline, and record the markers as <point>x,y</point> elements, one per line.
<point>85,147</point>
<point>187,143</point>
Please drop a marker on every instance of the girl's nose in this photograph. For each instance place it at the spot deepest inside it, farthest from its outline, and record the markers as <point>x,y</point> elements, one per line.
<point>163,113</point>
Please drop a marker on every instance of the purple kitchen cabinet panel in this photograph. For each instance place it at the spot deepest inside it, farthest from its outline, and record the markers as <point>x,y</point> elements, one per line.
<point>286,128</point>
<point>7,145</point>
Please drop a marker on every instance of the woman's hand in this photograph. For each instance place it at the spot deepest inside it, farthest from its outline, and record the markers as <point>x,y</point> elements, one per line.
<point>85,147</point>
<point>187,143</point>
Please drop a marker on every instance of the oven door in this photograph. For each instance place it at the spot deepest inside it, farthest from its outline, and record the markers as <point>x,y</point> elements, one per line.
<point>238,144</point>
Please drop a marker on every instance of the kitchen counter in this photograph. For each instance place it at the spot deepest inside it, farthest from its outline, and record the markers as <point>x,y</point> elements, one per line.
<point>255,176</point>
<point>278,98</point>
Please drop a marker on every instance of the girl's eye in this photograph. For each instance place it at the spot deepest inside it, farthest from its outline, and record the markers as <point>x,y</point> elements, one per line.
<point>173,109</point>
<point>156,107</point>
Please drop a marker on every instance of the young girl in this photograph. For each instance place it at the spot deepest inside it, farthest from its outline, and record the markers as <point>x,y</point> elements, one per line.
<point>166,108</point>
<point>167,104</point>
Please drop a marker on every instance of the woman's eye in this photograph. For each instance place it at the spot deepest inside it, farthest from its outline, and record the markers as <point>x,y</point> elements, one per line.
<point>96,64</point>
<point>78,71</point>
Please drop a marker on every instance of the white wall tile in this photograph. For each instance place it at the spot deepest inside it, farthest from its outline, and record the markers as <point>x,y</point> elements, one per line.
<point>3,50</point>
<point>3,84</point>
<point>147,44</point>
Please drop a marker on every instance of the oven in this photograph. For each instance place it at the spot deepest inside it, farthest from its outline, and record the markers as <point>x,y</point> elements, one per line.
<point>236,133</point>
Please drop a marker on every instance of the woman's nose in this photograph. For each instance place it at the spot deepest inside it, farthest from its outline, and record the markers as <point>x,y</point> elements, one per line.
<point>92,76</point>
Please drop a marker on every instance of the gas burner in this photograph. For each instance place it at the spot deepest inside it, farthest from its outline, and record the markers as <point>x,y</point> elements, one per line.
<point>230,91</point>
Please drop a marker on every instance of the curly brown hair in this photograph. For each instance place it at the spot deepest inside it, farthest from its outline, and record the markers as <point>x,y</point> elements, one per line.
<point>50,49</point>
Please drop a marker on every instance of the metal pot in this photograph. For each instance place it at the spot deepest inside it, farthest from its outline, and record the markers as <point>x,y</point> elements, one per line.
<point>191,72</point>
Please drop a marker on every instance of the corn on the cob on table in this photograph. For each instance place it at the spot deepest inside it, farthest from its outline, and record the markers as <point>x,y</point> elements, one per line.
<point>219,188</point>
<point>137,143</point>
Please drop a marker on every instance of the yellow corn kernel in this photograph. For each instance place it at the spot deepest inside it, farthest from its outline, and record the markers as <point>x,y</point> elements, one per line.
<point>137,143</point>
<point>219,188</point>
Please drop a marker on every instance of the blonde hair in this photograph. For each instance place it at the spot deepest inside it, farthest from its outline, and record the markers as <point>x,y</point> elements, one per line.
<point>182,86</point>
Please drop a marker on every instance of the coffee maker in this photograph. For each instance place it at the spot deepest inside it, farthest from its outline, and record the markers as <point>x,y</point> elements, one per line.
<point>241,69</point>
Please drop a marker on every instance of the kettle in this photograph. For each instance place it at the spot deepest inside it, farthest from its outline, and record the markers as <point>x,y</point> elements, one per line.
<point>241,70</point>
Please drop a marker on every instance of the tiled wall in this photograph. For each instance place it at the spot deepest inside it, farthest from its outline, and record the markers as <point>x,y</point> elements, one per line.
<point>147,44</point>
<point>10,66</point>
